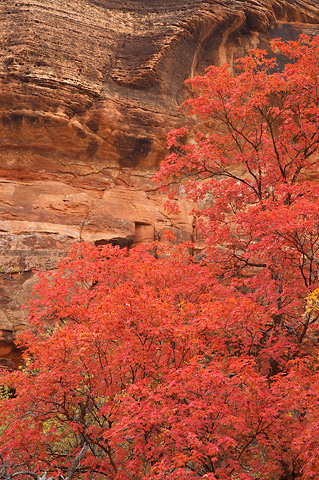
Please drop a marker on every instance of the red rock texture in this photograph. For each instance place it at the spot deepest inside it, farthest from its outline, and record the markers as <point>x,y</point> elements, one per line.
<point>88,91</point>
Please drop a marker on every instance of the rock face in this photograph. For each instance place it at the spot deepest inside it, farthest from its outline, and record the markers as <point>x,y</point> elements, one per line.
<point>89,89</point>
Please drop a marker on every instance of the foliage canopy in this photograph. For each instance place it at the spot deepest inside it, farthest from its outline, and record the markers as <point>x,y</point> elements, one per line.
<point>146,364</point>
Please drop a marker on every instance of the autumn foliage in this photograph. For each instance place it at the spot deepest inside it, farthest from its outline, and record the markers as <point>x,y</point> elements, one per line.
<point>261,212</point>
<point>157,365</point>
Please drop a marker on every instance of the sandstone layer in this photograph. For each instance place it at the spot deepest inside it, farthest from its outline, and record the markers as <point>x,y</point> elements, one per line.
<point>89,89</point>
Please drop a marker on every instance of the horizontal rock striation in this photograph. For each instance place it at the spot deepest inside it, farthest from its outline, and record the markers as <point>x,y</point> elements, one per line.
<point>88,91</point>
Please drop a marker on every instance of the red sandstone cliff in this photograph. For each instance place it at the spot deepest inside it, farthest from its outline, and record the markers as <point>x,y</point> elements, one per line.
<point>89,89</point>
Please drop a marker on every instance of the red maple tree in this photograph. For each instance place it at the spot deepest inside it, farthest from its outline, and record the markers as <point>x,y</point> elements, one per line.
<point>154,368</point>
<point>147,364</point>
<point>256,177</point>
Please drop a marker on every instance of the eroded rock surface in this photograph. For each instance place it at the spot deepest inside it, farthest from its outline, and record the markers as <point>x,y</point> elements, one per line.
<point>89,89</point>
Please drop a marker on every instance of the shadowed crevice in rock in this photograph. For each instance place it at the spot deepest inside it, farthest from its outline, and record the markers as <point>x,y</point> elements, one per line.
<point>132,149</point>
<point>117,241</point>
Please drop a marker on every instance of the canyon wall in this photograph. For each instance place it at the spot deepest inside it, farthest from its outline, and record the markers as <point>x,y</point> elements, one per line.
<point>88,91</point>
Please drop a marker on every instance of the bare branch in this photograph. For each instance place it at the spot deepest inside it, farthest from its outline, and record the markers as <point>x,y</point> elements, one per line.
<point>76,461</point>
